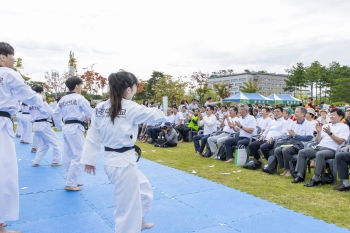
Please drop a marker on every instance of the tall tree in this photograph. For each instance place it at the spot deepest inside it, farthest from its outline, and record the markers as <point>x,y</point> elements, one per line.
<point>296,78</point>
<point>55,83</point>
<point>93,81</point>
<point>141,93</point>
<point>174,88</point>
<point>250,86</point>
<point>341,87</point>
<point>222,89</point>
<point>199,83</point>
<point>152,83</point>
<point>18,67</point>
<point>313,74</point>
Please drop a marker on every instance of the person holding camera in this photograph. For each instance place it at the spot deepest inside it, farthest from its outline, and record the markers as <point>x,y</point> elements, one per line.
<point>170,136</point>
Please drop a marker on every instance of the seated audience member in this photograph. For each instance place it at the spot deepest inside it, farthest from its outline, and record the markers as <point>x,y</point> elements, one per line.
<point>259,112</point>
<point>343,161</point>
<point>276,129</point>
<point>286,115</point>
<point>147,131</point>
<point>346,119</point>
<point>178,119</point>
<point>170,136</point>
<point>246,127</point>
<point>264,120</point>
<point>298,131</point>
<point>209,122</point>
<point>169,117</point>
<point>203,110</point>
<point>255,113</point>
<point>183,103</point>
<point>192,125</point>
<point>324,118</point>
<point>329,137</point>
<point>227,126</point>
<point>310,116</point>
<point>222,113</point>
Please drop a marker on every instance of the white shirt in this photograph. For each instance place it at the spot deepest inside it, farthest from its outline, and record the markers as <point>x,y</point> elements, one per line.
<point>123,133</point>
<point>262,123</point>
<point>248,122</point>
<point>276,129</point>
<point>40,113</point>
<point>209,123</point>
<point>227,128</point>
<point>339,129</point>
<point>168,118</point>
<point>177,118</point>
<point>304,129</point>
<point>12,89</point>
<point>71,107</point>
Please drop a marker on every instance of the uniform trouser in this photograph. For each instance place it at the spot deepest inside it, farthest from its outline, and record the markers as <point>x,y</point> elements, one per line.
<point>133,197</point>
<point>35,141</point>
<point>320,153</point>
<point>284,155</point>
<point>219,140</point>
<point>46,138</point>
<point>19,129</point>
<point>236,141</point>
<point>9,193</point>
<point>200,137</point>
<point>264,146</point>
<point>343,160</point>
<point>26,129</point>
<point>73,147</point>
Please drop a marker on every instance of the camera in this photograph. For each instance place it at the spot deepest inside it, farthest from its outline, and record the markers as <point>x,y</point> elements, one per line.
<point>164,127</point>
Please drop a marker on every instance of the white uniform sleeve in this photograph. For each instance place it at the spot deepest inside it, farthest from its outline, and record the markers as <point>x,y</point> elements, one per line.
<point>57,118</point>
<point>86,108</point>
<point>23,92</point>
<point>47,108</point>
<point>92,145</point>
<point>148,115</point>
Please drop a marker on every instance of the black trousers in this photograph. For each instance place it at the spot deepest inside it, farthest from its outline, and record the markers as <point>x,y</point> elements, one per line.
<point>170,144</point>
<point>263,146</point>
<point>343,160</point>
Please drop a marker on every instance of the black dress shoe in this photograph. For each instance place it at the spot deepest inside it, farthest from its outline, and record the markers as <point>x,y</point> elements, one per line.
<point>156,145</point>
<point>298,179</point>
<point>342,188</point>
<point>312,183</point>
<point>151,141</point>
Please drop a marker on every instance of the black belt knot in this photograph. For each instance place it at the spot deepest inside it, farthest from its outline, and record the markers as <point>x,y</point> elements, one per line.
<point>123,149</point>
<point>41,120</point>
<point>25,113</point>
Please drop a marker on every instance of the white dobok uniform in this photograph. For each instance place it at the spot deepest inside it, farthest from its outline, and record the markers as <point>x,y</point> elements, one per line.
<point>45,134</point>
<point>26,124</point>
<point>71,107</point>
<point>133,194</point>
<point>12,89</point>
<point>19,129</point>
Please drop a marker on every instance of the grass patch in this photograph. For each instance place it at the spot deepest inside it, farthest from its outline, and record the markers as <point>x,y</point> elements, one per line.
<point>321,202</point>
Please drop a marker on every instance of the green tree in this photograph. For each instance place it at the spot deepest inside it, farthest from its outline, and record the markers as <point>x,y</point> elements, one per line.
<point>18,67</point>
<point>250,86</point>
<point>340,88</point>
<point>296,78</point>
<point>151,83</point>
<point>174,88</point>
<point>222,89</point>
<point>199,83</point>
<point>313,74</point>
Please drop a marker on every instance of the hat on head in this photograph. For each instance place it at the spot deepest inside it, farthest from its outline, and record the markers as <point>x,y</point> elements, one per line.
<point>323,110</point>
<point>209,98</point>
<point>311,111</point>
<point>168,124</point>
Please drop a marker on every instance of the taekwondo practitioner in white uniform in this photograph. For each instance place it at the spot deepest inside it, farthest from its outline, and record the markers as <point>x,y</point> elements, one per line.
<point>12,89</point>
<point>46,135</point>
<point>26,124</point>
<point>74,109</point>
<point>19,122</point>
<point>115,123</point>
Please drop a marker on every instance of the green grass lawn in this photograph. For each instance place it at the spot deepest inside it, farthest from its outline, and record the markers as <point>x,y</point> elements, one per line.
<point>321,202</point>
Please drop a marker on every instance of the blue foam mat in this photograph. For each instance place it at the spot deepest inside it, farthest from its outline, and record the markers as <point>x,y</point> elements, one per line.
<point>182,203</point>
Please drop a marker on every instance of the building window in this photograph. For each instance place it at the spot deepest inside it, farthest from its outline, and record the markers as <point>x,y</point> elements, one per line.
<point>238,84</point>
<point>233,80</point>
<point>267,80</point>
<point>242,79</point>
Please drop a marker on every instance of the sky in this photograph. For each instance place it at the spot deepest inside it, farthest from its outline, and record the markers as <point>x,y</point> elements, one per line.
<point>175,37</point>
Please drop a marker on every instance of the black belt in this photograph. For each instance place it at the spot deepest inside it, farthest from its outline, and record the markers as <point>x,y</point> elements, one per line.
<point>25,113</point>
<point>121,150</point>
<point>85,125</point>
<point>19,111</point>
<point>5,114</point>
<point>41,120</point>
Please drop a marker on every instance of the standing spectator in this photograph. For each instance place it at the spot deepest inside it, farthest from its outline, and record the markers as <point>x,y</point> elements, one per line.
<point>309,103</point>
<point>210,102</point>
<point>193,105</point>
